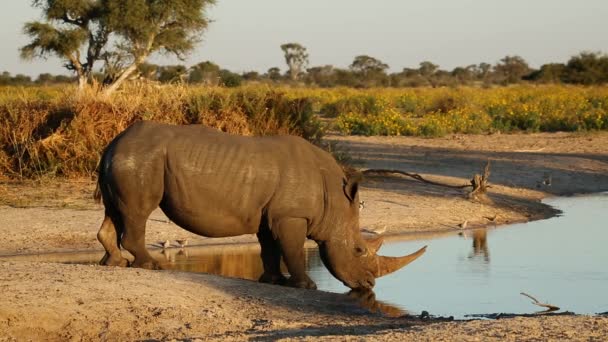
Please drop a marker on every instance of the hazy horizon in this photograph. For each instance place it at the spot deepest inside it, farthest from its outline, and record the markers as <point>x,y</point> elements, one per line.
<point>246,35</point>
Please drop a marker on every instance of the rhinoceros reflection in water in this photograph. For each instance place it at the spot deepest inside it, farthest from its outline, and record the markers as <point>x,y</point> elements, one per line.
<point>241,262</point>
<point>234,262</point>
<point>367,300</point>
<point>281,188</point>
<point>245,263</point>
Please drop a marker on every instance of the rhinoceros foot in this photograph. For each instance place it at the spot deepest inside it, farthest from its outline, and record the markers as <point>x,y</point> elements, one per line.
<point>277,279</point>
<point>147,264</point>
<point>302,283</point>
<point>109,260</point>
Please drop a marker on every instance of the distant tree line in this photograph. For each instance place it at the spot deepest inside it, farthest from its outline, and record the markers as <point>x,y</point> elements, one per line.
<point>110,41</point>
<point>43,79</point>
<point>586,68</point>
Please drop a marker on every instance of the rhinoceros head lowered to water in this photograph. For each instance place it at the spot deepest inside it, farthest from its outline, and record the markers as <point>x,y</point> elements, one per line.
<point>347,255</point>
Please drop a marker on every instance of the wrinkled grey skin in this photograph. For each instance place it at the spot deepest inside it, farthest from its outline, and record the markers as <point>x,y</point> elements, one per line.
<point>281,188</point>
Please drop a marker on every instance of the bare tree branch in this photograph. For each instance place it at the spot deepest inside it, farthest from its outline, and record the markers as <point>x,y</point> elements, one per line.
<point>480,182</point>
<point>536,302</point>
<point>414,176</point>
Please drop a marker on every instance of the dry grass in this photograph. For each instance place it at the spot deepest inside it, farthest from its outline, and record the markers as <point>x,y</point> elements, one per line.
<point>58,131</point>
<point>55,131</point>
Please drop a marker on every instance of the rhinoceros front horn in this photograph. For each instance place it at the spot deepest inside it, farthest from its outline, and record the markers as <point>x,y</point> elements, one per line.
<point>386,265</point>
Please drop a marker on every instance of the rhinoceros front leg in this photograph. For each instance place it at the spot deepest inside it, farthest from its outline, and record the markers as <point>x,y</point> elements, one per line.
<point>291,234</point>
<point>271,257</point>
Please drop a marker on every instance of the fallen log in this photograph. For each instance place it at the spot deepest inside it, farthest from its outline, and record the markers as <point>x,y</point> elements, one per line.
<point>479,183</point>
<point>414,176</point>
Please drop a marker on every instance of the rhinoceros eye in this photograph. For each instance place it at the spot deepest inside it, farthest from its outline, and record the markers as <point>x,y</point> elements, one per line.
<point>359,251</point>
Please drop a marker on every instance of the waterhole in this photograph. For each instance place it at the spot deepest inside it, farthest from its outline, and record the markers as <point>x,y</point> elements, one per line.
<point>562,261</point>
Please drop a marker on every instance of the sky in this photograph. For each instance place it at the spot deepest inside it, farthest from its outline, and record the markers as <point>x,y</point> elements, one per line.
<point>246,35</point>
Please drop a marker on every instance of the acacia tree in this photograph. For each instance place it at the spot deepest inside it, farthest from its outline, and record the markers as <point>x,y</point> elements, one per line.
<point>69,27</point>
<point>483,71</point>
<point>587,68</point>
<point>274,74</point>
<point>365,64</point>
<point>369,70</point>
<point>143,27</point>
<point>205,72</point>
<point>511,69</point>
<point>136,29</point>
<point>296,58</point>
<point>428,71</point>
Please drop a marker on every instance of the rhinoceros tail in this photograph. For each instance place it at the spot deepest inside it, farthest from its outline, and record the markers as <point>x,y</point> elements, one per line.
<point>97,194</point>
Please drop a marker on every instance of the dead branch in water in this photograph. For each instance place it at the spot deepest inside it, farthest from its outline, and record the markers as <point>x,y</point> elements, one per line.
<point>536,302</point>
<point>513,315</point>
<point>479,183</point>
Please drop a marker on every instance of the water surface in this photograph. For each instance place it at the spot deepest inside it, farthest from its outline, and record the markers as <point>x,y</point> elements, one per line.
<point>562,261</point>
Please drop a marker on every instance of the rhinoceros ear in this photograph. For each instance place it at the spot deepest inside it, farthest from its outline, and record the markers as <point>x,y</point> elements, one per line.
<point>351,186</point>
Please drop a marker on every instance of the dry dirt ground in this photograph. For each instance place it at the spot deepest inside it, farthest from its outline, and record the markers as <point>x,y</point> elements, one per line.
<point>61,302</point>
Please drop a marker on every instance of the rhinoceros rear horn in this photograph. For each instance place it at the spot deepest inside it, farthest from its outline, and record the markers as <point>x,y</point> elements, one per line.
<point>374,244</point>
<point>386,265</point>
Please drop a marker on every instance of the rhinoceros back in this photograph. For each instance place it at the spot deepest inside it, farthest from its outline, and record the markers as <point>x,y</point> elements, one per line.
<point>211,183</point>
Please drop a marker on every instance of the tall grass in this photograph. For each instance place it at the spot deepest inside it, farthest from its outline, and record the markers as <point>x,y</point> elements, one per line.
<point>50,131</point>
<point>56,131</point>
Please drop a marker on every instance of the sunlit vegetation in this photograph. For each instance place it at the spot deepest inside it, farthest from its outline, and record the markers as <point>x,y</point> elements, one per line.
<point>48,131</point>
<point>436,112</point>
<point>59,131</point>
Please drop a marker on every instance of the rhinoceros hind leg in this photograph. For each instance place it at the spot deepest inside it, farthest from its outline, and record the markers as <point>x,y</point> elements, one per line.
<point>108,236</point>
<point>271,257</point>
<point>134,241</point>
<point>291,234</point>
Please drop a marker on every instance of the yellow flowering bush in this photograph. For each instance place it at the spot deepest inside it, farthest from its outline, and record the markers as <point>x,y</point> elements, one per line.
<point>435,112</point>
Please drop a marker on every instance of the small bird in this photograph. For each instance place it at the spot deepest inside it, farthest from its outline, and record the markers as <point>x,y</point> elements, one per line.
<point>464,224</point>
<point>182,242</point>
<point>547,180</point>
<point>166,244</point>
<point>491,218</point>
<point>361,205</point>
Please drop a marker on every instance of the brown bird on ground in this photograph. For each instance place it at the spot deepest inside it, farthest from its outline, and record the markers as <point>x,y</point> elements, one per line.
<point>182,242</point>
<point>166,244</point>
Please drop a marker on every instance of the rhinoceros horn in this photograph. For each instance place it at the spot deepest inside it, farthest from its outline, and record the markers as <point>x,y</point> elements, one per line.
<point>374,244</point>
<point>386,265</point>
